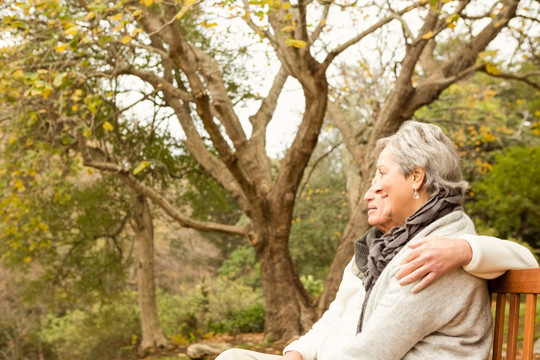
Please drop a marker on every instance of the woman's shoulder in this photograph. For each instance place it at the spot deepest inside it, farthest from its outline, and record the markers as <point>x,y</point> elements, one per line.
<point>451,225</point>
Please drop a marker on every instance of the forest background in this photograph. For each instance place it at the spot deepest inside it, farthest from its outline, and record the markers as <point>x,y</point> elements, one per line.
<point>171,170</point>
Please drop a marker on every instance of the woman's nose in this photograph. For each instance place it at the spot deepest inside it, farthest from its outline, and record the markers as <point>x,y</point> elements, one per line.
<point>369,195</point>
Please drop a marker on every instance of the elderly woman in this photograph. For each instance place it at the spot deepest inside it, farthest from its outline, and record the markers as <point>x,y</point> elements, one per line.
<point>417,192</point>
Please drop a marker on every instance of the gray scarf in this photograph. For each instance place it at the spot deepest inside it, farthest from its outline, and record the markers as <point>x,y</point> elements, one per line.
<point>374,251</point>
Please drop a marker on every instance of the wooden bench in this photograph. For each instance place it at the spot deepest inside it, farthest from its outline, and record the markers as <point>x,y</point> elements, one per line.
<point>515,283</point>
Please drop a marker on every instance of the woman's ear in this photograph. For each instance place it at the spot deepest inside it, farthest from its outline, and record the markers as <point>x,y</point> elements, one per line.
<point>418,177</point>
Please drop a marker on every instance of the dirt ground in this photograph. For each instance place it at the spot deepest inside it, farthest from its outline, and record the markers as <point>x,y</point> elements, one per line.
<point>252,341</point>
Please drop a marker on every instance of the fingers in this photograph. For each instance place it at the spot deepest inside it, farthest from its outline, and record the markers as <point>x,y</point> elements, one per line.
<point>410,256</point>
<point>422,284</point>
<point>408,274</point>
<point>413,244</point>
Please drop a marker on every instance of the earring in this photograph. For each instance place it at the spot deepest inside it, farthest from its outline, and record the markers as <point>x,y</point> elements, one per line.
<point>416,195</point>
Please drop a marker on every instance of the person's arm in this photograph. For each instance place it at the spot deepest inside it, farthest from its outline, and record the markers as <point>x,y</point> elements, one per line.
<point>482,256</point>
<point>400,319</point>
<point>306,346</point>
<point>493,256</point>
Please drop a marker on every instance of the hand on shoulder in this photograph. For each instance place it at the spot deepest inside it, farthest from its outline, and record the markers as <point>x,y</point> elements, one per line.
<point>431,257</point>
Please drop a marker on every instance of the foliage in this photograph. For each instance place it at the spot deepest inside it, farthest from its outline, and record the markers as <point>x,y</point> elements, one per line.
<point>321,211</point>
<point>102,78</point>
<point>102,332</point>
<point>508,196</point>
<point>20,330</point>
<point>60,222</point>
<point>215,306</point>
<point>242,264</point>
<point>482,116</point>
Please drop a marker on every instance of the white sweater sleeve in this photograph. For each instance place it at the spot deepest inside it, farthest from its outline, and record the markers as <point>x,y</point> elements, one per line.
<point>492,256</point>
<point>441,322</point>
<point>350,288</point>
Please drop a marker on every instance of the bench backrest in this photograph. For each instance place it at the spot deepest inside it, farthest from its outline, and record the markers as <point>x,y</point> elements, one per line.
<point>515,283</point>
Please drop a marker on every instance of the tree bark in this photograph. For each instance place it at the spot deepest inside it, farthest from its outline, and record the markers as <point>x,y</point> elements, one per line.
<point>141,222</point>
<point>240,163</point>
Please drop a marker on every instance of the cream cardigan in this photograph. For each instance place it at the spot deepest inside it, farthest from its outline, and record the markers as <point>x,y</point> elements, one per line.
<point>450,319</point>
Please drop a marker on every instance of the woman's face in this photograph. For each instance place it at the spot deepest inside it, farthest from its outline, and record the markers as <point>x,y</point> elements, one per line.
<point>395,189</point>
<point>375,210</point>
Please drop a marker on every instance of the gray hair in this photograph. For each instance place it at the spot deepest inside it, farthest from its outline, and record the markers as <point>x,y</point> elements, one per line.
<point>423,145</point>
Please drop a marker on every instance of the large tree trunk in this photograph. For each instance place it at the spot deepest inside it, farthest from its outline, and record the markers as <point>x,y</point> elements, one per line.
<point>194,87</point>
<point>289,308</point>
<point>141,222</point>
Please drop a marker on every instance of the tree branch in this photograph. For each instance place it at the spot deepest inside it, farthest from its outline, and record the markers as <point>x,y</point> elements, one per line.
<point>124,174</point>
<point>334,53</point>
<point>526,78</point>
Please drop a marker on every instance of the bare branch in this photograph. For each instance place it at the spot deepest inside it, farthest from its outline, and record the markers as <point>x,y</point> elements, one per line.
<point>352,145</point>
<point>156,81</point>
<point>526,78</point>
<point>315,34</point>
<point>334,53</point>
<point>315,164</point>
<point>256,28</point>
<point>124,174</point>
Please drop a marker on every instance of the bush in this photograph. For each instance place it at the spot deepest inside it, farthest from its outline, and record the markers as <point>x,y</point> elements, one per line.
<point>104,332</point>
<point>219,306</point>
<point>18,342</point>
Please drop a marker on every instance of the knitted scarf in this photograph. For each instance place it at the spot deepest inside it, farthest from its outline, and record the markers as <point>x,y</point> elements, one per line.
<point>374,251</point>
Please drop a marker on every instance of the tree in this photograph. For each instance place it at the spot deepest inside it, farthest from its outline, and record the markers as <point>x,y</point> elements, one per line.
<point>143,227</point>
<point>70,58</point>
<point>508,196</point>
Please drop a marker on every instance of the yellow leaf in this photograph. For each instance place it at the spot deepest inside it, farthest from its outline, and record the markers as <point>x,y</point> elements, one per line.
<point>116,17</point>
<point>59,79</point>
<point>119,27</point>
<point>287,28</point>
<point>187,5</point>
<point>492,69</point>
<point>73,30</point>
<point>295,43</point>
<point>126,39</point>
<point>141,167</point>
<point>87,133</point>
<point>484,54</point>
<point>18,73</point>
<point>90,15</point>
<point>76,95</point>
<point>27,259</point>
<point>60,47</point>
<point>428,35</point>
<point>108,126</point>
<point>136,31</point>
<point>286,6</point>
<point>207,25</point>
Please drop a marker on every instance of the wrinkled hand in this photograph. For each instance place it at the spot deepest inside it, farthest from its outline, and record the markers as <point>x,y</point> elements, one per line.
<point>432,256</point>
<point>293,355</point>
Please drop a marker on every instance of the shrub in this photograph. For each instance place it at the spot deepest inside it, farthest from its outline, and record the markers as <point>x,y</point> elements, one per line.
<point>104,332</point>
<point>22,341</point>
<point>219,306</point>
